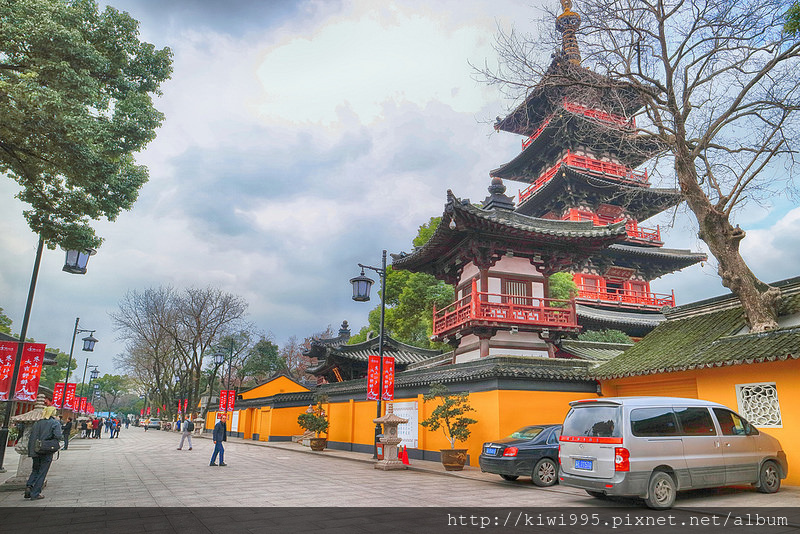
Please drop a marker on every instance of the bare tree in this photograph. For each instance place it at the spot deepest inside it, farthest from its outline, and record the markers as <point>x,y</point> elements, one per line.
<point>718,92</point>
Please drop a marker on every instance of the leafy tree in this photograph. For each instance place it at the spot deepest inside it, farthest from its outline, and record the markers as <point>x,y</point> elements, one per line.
<point>112,387</point>
<point>5,323</point>
<point>52,374</point>
<point>562,286</point>
<point>449,415</point>
<point>76,90</point>
<point>719,93</point>
<point>605,336</point>
<point>792,25</point>
<point>264,360</point>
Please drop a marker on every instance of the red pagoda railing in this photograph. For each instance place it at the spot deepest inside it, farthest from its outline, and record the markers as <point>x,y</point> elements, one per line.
<point>592,113</point>
<point>647,234</point>
<point>512,310</point>
<point>592,165</point>
<point>627,296</point>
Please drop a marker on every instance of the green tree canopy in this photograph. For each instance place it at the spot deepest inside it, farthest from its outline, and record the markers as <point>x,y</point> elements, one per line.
<point>112,387</point>
<point>5,323</point>
<point>51,374</point>
<point>263,360</point>
<point>793,19</point>
<point>605,336</point>
<point>75,105</point>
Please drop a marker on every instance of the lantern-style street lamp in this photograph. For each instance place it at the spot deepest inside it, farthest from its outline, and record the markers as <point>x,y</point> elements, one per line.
<point>88,346</point>
<point>361,287</point>
<point>219,359</point>
<point>76,261</point>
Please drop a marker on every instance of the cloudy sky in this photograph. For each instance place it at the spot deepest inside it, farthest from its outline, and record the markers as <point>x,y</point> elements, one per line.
<point>301,138</point>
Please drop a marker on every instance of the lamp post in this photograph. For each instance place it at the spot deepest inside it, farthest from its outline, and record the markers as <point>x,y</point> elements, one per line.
<point>22,337</point>
<point>88,346</point>
<point>230,361</point>
<point>361,287</point>
<point>93,374</point>
<point>219,359</point>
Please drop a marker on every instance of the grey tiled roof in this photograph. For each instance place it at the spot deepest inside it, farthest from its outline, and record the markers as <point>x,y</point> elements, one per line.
<point>620,317</point>
<point>402,353</point>
<point>593,350</point>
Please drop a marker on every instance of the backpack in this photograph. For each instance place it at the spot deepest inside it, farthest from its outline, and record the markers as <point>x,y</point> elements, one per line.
<point>189,426</point>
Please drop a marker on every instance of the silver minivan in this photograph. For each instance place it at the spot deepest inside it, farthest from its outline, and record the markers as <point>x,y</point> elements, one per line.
<point>652,447</point>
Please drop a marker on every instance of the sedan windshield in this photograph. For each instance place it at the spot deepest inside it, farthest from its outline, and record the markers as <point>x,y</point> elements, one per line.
<point>528,432</point>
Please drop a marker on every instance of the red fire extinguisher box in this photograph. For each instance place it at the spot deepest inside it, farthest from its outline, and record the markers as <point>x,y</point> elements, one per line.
<point>379,447</point>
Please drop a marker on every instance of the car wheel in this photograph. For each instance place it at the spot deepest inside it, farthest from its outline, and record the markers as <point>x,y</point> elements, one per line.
<point>660,491</point>
<point>597,494</point>
<point>510,478</point>
<point>545,473</point>
<point>769,478</point>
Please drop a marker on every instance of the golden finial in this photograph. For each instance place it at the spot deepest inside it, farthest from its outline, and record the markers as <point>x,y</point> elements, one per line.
<point>568,23</point>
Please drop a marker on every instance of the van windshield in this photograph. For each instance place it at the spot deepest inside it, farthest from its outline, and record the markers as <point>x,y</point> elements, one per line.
<point>593,421</point>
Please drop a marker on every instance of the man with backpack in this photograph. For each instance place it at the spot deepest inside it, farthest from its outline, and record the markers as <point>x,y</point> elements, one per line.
<point>43,442</point>
<point>188,428</point>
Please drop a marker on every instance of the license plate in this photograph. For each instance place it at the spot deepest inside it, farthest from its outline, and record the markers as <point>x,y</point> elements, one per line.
<point>491,451</point>
<point>583,464</point>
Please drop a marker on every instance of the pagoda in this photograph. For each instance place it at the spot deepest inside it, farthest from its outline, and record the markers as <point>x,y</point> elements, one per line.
<point>579,159</point>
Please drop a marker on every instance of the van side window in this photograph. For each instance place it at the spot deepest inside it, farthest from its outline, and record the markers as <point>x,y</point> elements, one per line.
<point>732,425</point>
<point>647,422</point>
<point>695,422</point>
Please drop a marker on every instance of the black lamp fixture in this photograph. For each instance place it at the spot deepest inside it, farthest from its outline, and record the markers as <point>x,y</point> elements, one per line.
<point>76,260</point>
<point>88,343</point>
<point>361,286</point>
<point>219,358</point>
<point>94,374</point>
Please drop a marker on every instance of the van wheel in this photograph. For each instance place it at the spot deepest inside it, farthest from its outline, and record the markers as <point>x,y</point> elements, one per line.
<point>769,478</point>
<point>660,491</point>
<point>597,494</point>
<point>510,478</point>
<point>545,473</point>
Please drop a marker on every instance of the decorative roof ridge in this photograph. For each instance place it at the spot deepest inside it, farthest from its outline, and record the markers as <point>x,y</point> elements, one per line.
<point>388,340</point>
<point>757,335</point>
<point>656,250</point>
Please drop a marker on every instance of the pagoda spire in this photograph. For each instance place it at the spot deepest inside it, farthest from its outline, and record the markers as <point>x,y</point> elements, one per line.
<point>568,23</point>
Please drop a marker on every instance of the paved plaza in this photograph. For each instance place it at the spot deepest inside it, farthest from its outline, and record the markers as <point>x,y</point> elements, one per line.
<point>144,469</point>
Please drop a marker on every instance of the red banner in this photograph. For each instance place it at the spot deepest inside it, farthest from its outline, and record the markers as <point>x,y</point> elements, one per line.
<point>82,404</point>
<point>89,408</point>
<point>223,403</point>
<point>141,414</point>
<point>8,353</point>
<point>148,410</point>
<point>388,378</point>
<point>231,400</point>
<point>185,404</point>
<point>179,406</point>
<point>58,394</point>
<point>30,370</point>
<point>158,411</point>
<point>373,377</point>
<point>69,397</point>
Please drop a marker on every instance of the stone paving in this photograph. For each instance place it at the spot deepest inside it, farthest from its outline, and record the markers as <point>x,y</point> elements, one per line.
<point>144,469</point>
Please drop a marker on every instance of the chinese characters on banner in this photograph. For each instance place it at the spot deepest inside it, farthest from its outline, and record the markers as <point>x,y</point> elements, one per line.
<point>141,413</point>
<point>373,377</point>
<point>148,410</point>
<point>388,378</point>
<point>89,408</point>
<point>185,404</point>
<point>231,399</point>
<point>8,353</point>
<point>69,397</point>
<point>179,406</point>
<point>30,370</point>
<point>82,404</point>
<point>58,394</point>
<point>223,403</point>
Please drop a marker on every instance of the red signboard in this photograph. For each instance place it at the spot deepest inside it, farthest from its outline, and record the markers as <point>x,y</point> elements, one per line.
<point>69,397</point>
<point>373,377</point>
<point>30,370</point>
<point>58,394</point>
<point>231,400</point>
<point>82,404</point>
<point>89,408</point>
<point>388,378</point>
<point>8,353</point>
<point>223,403</point>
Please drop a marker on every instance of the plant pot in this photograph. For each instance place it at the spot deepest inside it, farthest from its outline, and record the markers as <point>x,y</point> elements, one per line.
<point>318,444</point>
<point>453,459</point>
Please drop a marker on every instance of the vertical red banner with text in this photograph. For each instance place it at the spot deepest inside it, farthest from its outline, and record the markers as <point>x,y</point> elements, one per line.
<point>373,377</point>
<point>30,370</point>
<point>231,399</point>
<point>8,353</point>
<point>82,404</point>
<point>69,397</point>
<point>387,390</point>
<point>148,410</point>
<point>223,403</point>
<point>179,406</point>
<point>185,404</point>
<point>58,394</point>
<point>141,413</point>
<point>89,408</point>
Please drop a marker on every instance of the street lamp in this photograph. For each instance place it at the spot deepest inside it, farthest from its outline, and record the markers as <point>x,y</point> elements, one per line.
<point>92,374</point>
<point>88,346</point>
<point>76,261</point>
<point>219,359</point>
<point>361,287</point>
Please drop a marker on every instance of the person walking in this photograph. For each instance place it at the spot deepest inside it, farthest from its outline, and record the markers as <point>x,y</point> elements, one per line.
<point>219,435</point>
<point>95,428</point>
<point>66,429</point>
<point>84,429</point>
<point>119,427</point>
<point>46,428</point>
<point>188,427</point>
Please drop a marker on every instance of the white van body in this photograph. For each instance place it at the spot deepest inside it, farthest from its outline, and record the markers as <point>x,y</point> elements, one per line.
<point>651,447</point>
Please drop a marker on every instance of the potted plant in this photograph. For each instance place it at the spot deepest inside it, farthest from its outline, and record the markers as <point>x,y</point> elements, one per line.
<point>449,416</point>
<point>13,435</point>
<point>314,420</point>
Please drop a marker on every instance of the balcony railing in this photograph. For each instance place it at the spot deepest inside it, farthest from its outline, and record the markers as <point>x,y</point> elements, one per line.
<point>646,234</point>
<point>573,107</point>
<point>592,165</point>
<point>627,297</point>
<point>480,307</point>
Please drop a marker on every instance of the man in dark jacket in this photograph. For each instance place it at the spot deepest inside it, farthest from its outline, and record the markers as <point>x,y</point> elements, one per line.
<point>66,429</point>
<point>45,428</point>
<point>219,435</point>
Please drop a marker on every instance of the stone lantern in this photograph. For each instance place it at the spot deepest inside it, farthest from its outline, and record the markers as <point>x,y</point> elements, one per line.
<point>390,440</point>
<point>25,465</point>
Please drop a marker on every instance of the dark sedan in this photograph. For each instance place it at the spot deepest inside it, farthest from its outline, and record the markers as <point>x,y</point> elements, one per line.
<point>531,451</point>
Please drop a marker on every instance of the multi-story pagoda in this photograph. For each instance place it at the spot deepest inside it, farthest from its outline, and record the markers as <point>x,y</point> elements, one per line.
<point>579,158</point>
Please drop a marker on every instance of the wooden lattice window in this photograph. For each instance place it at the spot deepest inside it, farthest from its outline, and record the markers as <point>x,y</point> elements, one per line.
<point>758,403</point>
<point>520,288</point>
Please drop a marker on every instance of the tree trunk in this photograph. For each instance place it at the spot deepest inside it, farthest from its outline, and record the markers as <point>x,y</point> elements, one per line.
<point>759,300</point>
